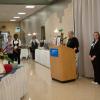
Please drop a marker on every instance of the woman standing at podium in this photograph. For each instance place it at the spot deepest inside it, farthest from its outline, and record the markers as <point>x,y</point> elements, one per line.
<point>95,57</point>
<point>73,42</point>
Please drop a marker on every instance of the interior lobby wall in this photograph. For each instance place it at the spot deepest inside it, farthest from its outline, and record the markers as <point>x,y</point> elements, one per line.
<point>59,15</point>
<point>8,27</point>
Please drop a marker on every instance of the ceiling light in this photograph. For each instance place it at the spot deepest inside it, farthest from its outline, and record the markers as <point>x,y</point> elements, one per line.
<point>16,17</point>
<point>30,6</point>
<point>21,13</point>
<point>12,20</point>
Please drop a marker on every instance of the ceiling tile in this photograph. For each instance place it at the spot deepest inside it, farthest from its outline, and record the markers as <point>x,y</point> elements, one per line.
<point>7,12</point>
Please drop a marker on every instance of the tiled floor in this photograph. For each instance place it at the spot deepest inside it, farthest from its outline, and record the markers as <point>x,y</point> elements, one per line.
<point>41,87</point>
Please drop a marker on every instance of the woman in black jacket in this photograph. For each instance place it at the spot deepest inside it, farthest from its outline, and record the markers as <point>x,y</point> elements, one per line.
<point>95,57</point>
<point>73,42</point>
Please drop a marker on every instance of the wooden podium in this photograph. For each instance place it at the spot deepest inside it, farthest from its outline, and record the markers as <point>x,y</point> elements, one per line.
<point>63,66</point>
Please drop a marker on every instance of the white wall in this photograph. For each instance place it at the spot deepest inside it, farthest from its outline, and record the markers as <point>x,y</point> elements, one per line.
<point>9,27</point>
<point>59,15</point>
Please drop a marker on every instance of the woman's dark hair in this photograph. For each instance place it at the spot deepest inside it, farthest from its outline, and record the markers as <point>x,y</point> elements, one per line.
<point>16,35</point>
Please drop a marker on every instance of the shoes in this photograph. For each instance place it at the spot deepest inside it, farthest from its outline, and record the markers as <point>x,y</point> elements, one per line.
<point>95,83</point>
<point>19,65</point>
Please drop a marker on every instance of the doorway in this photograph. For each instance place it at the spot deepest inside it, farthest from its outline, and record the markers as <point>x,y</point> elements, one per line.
<point>43,33</point>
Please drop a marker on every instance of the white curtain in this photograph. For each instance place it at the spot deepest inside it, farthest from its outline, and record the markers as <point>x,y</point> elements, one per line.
<point>87,20</point>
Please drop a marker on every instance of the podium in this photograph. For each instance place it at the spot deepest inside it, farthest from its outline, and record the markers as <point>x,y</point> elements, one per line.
<point>63,63</point>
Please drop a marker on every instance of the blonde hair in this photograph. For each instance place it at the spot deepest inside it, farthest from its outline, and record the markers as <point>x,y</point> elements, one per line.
<point>71,32</point>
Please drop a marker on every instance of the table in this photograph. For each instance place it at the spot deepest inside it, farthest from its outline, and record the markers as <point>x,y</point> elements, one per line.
<point>25,53</point>
<point>42,56</point>
<point>14,85</point>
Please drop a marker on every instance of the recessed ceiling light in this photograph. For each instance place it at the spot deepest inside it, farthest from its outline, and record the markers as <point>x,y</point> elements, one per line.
<point>21,13</point>
<point>30,6</point>
<point>12,20</point>
<point>16,17</point>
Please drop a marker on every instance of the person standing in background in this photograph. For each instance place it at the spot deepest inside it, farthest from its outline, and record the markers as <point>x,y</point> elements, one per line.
<point>16,48</point>
<point>9,48</point>
<point>34,45</point>
<point>95,57</point>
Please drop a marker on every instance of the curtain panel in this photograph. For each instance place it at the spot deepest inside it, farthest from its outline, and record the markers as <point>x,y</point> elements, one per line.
<point>86,22</point>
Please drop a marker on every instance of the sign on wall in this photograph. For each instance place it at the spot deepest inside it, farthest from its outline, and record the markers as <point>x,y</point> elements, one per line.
<point>17,30</point>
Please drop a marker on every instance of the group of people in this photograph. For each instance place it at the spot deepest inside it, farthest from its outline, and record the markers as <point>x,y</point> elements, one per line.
<point>94,54</point>
<point>13,48</point>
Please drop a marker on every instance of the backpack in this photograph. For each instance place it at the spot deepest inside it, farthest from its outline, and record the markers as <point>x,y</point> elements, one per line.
<point>34,46</point>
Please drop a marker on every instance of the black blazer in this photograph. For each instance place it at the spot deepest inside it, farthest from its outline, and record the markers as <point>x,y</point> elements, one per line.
<point>73,43</point>
<point>95,50</point>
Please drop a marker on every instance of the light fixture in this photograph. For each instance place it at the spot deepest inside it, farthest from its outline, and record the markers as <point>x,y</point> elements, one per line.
<point>34,33</point>
<point>12,20</point>
<point>56,31</point>
<point>21,13</point>
<point>30,6</point>
<point>17,17</point>
<point>29,34</point>
<point>29,98</point>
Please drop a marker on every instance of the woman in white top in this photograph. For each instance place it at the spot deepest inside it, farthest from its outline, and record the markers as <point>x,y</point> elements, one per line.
<point>16,48</point>
<point>34,45</point>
